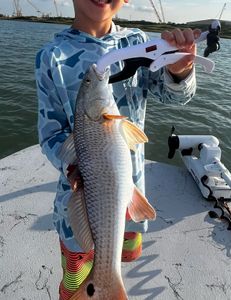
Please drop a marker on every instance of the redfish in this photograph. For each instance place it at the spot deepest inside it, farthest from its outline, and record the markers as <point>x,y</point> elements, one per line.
<point>102,142</point>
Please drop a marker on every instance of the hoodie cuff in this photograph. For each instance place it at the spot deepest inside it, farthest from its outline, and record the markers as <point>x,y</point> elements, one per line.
<point>189,81</point>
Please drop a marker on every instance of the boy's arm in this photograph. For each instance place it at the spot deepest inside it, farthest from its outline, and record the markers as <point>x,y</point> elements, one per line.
<point>53,126</point>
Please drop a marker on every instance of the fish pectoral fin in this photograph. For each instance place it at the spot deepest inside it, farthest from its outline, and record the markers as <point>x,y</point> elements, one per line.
<point>67,152</point>
<point>113,117</point>
<point>77,213</point>
<point>139,208</point>
<point>132,134</point>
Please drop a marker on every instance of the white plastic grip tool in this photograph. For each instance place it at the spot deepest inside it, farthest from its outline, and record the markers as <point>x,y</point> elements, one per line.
<point>167,59</point>
<point>157,50</point>
<point>151,49</point>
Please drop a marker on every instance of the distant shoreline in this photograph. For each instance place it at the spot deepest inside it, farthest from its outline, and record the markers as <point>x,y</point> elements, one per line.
<point>144,25</point>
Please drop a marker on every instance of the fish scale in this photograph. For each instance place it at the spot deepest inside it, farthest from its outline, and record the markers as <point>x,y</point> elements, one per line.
<point>99,142</point>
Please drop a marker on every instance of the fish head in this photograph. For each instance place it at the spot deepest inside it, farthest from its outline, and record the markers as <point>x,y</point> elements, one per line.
<point>95,95</point>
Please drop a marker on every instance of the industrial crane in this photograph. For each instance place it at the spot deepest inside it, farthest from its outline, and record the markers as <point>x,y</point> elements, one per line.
<point>32,4</point>
<point>161,20</point>
<point>56,8</point>
<point>156,11</point>
<point>223,8</point>
<point>18,10</point>
<point>162,11</point>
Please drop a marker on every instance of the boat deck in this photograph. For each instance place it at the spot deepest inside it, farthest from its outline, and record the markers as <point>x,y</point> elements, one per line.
<point>186,254</point>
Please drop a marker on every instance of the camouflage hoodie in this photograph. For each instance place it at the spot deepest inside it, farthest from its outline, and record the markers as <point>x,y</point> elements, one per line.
<point>60,67</point>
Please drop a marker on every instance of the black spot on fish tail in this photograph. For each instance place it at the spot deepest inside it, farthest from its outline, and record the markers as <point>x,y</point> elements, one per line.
<point>90,290</point>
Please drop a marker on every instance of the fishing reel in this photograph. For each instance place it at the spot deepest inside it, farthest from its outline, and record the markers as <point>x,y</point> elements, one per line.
<point>213,38</point>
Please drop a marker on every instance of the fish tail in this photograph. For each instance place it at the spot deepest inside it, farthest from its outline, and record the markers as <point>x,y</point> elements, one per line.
<point>89,290</point>
<point>119,291</point>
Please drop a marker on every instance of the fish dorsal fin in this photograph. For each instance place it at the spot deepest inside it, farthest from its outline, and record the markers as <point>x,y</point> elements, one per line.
<point>77,213</point>
<point>139,208</point>
<point>132,134</point>
<point>67,152</point>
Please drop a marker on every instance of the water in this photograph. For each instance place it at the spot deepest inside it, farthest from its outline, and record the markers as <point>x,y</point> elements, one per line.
<point>208,113</point>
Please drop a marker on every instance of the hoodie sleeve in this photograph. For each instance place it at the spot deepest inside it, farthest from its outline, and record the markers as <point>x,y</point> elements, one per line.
<point>163,87</point>
<point>53,125</point>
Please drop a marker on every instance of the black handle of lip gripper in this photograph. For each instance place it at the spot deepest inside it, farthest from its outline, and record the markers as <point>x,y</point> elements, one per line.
<point>130,67</point>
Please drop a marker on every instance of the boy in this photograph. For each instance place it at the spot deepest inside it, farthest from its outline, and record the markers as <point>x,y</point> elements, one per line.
<point>60,66</point>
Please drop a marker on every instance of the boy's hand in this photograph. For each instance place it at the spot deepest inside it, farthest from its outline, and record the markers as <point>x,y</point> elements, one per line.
<point>74,177</point>
<point>185,41</point>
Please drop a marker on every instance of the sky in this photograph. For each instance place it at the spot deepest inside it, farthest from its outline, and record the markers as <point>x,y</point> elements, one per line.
<point>178,11</point>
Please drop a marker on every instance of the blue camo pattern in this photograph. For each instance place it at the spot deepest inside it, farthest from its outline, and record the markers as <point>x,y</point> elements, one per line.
<point>60,67</point>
